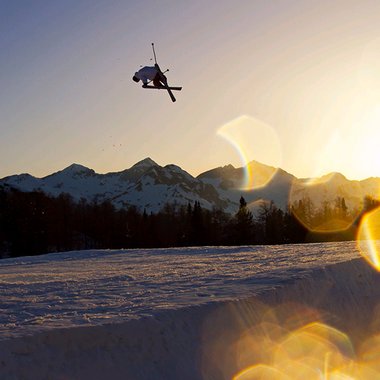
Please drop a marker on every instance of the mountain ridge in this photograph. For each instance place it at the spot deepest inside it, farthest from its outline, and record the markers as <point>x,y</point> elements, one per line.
<point>150,186</point>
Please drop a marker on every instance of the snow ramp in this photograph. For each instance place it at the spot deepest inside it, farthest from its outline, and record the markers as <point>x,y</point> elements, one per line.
<point>217,340</point>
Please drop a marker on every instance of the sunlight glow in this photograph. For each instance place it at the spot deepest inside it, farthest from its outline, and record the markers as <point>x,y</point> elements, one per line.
<point>351,145</point>
<point>365,140</point>
<point>253,140</point>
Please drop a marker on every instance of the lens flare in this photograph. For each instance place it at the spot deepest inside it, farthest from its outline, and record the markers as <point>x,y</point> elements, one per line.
<point>253,140</point>
<point>257,341</point>
<point>261,372</point>
<point>368,238</point>
<point>370,353</point>
<point>315,351</point>
<point>316,206</point>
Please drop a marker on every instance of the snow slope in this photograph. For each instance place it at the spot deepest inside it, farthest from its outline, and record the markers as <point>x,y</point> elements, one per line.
<point>169,314</point>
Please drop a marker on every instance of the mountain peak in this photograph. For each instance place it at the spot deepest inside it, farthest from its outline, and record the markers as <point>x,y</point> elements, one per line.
<point>76,167</point>
<point>331,177</point>
<point>74,170</point>
<point>256,164</point>
<point>145,163</point>
<point>221,171</point>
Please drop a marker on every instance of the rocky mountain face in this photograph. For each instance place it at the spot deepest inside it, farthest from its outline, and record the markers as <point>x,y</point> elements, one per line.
<point>150,186</point>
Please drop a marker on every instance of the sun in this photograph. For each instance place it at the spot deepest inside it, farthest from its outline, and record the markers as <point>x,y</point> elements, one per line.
<point>365,142</point>
<point>351,145</point>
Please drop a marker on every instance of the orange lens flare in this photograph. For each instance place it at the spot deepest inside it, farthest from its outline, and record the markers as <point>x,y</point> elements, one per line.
<point>288,341</point>
<point>313,204</point>
<point>368,238</point>
<point>370,353</point>
<point>315,351</point>
<point>253,140</point>
<point>261,372</point>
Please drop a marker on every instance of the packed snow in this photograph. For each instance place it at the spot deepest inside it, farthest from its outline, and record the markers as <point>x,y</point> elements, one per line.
<point>156,314</point>
<point>93,287</point>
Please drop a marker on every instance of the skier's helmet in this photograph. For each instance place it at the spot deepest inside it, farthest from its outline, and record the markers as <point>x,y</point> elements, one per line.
<point>136,79</point>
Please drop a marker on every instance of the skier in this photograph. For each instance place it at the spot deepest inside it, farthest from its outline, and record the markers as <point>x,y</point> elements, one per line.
<point>154,74</point>
<point>151,73</point>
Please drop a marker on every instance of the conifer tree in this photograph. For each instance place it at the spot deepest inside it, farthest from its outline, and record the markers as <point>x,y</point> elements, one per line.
<point>244,223</point>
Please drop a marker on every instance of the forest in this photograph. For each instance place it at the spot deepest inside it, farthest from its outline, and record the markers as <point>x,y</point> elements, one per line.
<point>34,223</point>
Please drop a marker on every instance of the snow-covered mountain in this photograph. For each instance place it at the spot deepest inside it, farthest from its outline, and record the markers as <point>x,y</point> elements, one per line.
<point>330,186</point>
<point>150,186</point>
<point>274,184</point>
<point>266,184</point>
<point>145,185</point>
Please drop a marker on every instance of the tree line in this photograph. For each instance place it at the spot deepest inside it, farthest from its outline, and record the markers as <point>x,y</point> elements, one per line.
<point>35,223</point>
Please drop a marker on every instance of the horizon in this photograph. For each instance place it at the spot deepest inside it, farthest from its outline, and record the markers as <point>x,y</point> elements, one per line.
<point>290,84</point>
<point>194,175</point>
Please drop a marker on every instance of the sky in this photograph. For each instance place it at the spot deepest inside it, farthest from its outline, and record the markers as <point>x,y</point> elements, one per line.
<point>290,83</point>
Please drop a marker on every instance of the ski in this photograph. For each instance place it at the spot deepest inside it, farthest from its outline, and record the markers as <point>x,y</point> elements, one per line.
<point>170,93</point>
<point>162,87</point>
<point>163,80</point>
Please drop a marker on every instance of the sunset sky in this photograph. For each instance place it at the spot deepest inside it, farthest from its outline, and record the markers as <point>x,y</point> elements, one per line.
<point>289,83</point>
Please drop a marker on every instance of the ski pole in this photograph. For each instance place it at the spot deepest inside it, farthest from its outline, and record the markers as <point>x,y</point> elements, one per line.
<point>154,53</point>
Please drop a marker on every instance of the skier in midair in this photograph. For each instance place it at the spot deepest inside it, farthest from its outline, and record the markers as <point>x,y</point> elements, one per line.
<point>155,75</point>
<point>150,74</point>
